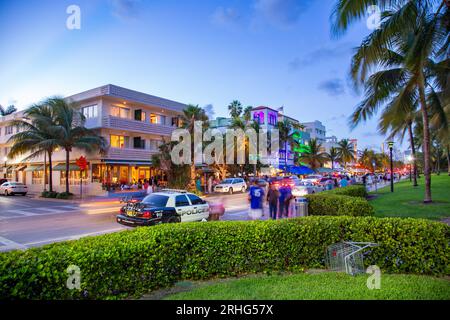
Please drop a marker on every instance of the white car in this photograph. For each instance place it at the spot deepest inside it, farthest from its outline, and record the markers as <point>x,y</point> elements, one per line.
<point>303,188</point>
<point>312,179</point>
<point>231,185</point>
<point>11,188</point>
<point>167,206</point>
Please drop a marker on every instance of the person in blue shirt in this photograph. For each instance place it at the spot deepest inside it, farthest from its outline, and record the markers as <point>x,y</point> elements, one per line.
<point>344,182</point>
<point>256,196</point>
<point>285,194</point>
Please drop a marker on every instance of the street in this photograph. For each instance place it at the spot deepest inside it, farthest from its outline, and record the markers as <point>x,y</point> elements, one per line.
<point>26,222</point>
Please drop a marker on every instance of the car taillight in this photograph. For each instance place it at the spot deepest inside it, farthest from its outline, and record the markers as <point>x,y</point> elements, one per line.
<point>146,214</point>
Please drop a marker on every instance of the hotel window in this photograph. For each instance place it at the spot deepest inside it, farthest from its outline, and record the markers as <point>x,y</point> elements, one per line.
<point>175,121</point>
<point>272,119</point>
<point>139,115</point>
<point>9,130</point>
<point>117,141</point>
<point>90,111</point>
<point>120,112</point>
<point>154,118</point>
<point>259,117</point>
<point>138,143</point>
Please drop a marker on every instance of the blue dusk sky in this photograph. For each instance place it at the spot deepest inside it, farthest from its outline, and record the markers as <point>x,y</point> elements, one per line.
<point>207,52</point>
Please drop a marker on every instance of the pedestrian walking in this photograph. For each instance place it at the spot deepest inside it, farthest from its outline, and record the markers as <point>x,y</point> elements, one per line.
<point>256,196</point>
<point>210,183</point>
<point>272,198</point>
<point>285,193</point>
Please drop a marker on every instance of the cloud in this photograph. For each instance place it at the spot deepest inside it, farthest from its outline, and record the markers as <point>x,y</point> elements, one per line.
<point>323,53</point>
<point>333,87</point>
<point>225,17</point>
<point>281,12</point>
<point>125,9</point>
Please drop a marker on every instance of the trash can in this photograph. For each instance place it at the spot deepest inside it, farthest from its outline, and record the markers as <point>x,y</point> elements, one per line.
<point>301,207</point>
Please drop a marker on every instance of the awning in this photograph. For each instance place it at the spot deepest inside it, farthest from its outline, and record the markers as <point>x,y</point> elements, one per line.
<point>297,169</point>
<point>62,167</point>
<point>20,168</point>
<point>35,168</point>
<point>324,170</point>
<point>128,162</point>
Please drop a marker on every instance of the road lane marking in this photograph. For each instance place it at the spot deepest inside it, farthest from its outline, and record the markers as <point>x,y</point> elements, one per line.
<point>75,237</point>
<point>10,245</point>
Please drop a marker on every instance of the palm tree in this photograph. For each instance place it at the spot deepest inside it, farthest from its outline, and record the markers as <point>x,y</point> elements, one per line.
<point>285,135</point>
<point>191,114</point>
<point>235,108</point>
<point>333,156</point>
<point>35,136</point>
<point>315,158</point>
<point>69,131</point>
<point>8,110</point>
<point>420,34</point>
<point>248,113</point>
<point>345,151</point>
<point>367,159</point>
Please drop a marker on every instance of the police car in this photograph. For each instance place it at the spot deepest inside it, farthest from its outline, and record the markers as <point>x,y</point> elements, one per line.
<point>167,206</point>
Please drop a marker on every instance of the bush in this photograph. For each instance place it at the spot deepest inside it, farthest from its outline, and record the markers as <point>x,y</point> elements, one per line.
<point>328,204</point>
<point>356,190</point>
<point>64,195</point>
<point>49,194</point>
<point>132,262</point>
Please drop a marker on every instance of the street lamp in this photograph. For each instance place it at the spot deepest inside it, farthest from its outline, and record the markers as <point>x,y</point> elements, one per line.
<point>391,145</point>
<point>410,160</point>
<point>5,158</point>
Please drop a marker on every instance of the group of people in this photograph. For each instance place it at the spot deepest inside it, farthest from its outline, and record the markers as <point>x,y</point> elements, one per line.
<point>148,185</point>
<point>281,201</point>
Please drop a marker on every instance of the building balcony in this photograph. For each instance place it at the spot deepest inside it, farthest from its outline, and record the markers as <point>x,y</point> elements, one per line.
<point>136,126</point>
<point>130,154</point>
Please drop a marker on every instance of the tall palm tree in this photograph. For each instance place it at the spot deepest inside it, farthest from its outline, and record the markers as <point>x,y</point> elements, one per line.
<point>8,110</point>
<point>191,114</point>
<point>248,113</point>
<point>285,134</point>
<point>345,151</point>
<point>235,108</point>
<point>367,159</point>
<point>425,33</point>
<point>333,155</point>
<point>315,158</point>
<point>69,131</point>
<point>35,136</point>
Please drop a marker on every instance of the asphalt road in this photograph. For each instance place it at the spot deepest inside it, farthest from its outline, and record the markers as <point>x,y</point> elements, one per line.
<point>27,222</point>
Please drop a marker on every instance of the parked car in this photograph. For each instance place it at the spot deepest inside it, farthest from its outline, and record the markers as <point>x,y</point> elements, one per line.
<point>3,180</point>
<point>12,188</point>
<point>167,206</point>
<point>312,178</point>
<point>231,185</point>
<point>303,188</point>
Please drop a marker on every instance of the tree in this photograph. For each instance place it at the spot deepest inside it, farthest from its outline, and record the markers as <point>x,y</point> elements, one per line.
<point>235,108</point>
<point>425,34</point>
<point>333,156</point>
<point>191,114</point>
<point>35,136</point>
<point>315,158</point>
<point>8,110</point>
<point>248,113</point>
<point>345,151</point>
<point>367,159</point>
<point>69,131</point>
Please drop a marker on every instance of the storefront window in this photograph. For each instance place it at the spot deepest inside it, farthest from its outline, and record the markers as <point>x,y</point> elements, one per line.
<point>37,177</point>
<point>74,178</point>
<point>120,112</point>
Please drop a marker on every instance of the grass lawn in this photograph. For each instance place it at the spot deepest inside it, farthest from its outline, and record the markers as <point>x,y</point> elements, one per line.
<point>316,286</point>
<point>406,201</point>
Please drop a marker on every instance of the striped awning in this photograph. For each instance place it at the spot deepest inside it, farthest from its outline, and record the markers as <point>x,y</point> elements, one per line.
<point>35,168</point>
<point>62,167</point>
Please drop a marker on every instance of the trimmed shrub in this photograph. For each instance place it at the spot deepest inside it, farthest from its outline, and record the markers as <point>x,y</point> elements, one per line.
<point>322,204</point>
<point>133,262</point>
<point>356,190</point>
<point>48,194</point>
<point>64,195</point>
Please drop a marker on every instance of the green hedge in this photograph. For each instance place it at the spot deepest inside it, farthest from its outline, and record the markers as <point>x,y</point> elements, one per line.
<point>135,261</point>
<point>357,190</point>
<point>322,204</point>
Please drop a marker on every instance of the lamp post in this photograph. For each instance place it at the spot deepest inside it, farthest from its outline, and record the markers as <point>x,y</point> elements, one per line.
<point>391,145</point>
<point>5,158</point>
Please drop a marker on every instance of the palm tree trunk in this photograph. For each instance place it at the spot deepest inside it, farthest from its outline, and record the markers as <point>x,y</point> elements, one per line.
<point>50,179</point>
<point>192,174</point>
<point>67,169</point>
<point>426,140</point>
<point>285,157</point>
<point>413,152</point>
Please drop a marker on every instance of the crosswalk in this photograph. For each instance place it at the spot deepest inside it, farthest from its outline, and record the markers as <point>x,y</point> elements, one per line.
<point>28,211</point>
